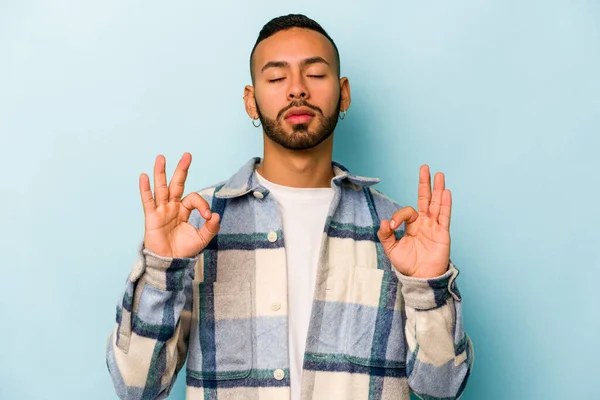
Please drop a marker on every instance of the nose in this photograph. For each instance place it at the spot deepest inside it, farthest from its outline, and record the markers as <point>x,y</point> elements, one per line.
<point>298,89</point>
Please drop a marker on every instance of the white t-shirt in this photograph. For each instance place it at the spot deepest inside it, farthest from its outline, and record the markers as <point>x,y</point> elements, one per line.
<point>303,212</point>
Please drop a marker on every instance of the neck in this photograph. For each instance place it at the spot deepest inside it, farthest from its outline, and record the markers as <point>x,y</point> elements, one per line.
<point>298,168</point>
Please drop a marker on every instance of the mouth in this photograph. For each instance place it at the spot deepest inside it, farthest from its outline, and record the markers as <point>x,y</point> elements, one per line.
<point>301,115</point>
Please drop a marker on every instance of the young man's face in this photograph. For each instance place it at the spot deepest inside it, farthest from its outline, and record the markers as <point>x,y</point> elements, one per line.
<point>297,91</point>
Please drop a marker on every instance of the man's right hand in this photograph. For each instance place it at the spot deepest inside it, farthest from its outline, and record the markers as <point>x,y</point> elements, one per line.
<point>168,232</point>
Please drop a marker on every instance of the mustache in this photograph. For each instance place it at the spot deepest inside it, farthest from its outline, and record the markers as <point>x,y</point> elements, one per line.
<point>298,103</point>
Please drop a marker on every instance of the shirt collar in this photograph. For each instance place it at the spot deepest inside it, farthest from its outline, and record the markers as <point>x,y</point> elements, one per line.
<point>244,181</point>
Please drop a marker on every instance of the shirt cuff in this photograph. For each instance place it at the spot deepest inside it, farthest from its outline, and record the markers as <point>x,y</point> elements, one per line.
<point>164,273</point>
<point>429,293</point>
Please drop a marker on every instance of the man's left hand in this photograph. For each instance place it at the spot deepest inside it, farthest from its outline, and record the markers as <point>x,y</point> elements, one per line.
<point>424,250</point>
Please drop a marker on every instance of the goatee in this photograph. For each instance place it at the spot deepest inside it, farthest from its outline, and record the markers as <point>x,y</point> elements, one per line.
<point>301,137</point>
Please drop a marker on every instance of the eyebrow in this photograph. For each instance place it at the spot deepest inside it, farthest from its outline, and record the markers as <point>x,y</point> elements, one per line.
<point>284,64</point>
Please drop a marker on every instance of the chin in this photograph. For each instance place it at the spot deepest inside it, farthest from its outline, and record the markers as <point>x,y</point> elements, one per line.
<point>300,128</point>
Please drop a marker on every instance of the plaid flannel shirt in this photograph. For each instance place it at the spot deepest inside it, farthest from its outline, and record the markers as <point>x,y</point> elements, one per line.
<point>374,333</point>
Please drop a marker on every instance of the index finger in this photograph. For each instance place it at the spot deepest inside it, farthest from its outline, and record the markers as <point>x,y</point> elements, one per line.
<point>424,198</point>
<point>177,184</point>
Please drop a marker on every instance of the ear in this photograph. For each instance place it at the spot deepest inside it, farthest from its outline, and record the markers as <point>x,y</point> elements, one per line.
<point>345,94</point>
<point>250,102</point>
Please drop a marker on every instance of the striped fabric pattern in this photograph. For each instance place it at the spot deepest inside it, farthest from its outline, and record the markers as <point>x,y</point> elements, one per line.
<point>373,334</point>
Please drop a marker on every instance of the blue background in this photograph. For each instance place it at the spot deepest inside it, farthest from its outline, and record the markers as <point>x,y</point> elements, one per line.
<point>501,96</point>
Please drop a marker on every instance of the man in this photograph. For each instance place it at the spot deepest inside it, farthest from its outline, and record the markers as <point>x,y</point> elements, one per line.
<point>294,278</point>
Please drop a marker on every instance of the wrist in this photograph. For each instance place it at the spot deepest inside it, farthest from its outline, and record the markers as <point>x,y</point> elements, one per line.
<point>163,273</point>
<point>425,274</point>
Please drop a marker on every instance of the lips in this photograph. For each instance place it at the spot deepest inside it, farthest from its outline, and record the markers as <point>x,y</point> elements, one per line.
<point>299,115</point>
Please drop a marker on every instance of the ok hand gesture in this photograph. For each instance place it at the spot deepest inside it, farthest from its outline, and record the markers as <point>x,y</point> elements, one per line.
<point>167,231</point>
<point>424,251</point>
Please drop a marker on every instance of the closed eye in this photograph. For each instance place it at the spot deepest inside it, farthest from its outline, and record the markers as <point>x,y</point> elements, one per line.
<point>276,80</point>
<point>316,76</point>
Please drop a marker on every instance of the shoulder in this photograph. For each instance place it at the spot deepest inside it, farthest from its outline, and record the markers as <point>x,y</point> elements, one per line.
<point>208,193</point>
<point>360,188</point>
<point>384,206</point>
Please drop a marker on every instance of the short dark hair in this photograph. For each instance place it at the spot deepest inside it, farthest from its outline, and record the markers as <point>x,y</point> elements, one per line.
<point>286,22</point>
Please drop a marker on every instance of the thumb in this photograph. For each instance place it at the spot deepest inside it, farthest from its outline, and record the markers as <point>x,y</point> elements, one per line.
<point>386,236</point>
<point>211,225</point>
<point>386,229</point>
<point>210,228</point>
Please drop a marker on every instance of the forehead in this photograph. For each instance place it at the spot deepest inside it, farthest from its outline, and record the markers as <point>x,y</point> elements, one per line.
<point>294,45</point>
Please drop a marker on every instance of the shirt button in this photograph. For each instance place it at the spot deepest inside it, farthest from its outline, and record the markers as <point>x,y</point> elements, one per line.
<point>258,195</point>
<point>279,374</point>
<point>276,306</point>
<point>272,236</point>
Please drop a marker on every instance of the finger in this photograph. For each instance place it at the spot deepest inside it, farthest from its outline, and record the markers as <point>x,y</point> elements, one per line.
<point>146,194</point>
<point>386,237</point>
<point>424,190</point>
<point>210,228</point>
<point>436,199</point>
<point>161,191</point>
<point>446,209</point>
<point>194,201</point>
<point>211,225</point>
<point>406,214</point>
<point>177,185</point>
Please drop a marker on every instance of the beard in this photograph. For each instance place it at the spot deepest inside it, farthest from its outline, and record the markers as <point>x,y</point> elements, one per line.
<point>301,137</point>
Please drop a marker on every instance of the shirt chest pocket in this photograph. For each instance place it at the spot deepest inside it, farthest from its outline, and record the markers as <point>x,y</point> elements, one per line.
<point>221,345</point>
<point>374,319</point>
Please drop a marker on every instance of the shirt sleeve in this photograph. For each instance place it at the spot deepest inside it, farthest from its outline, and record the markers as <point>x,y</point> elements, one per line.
<point>148,344</point>
<point>440,354</point>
